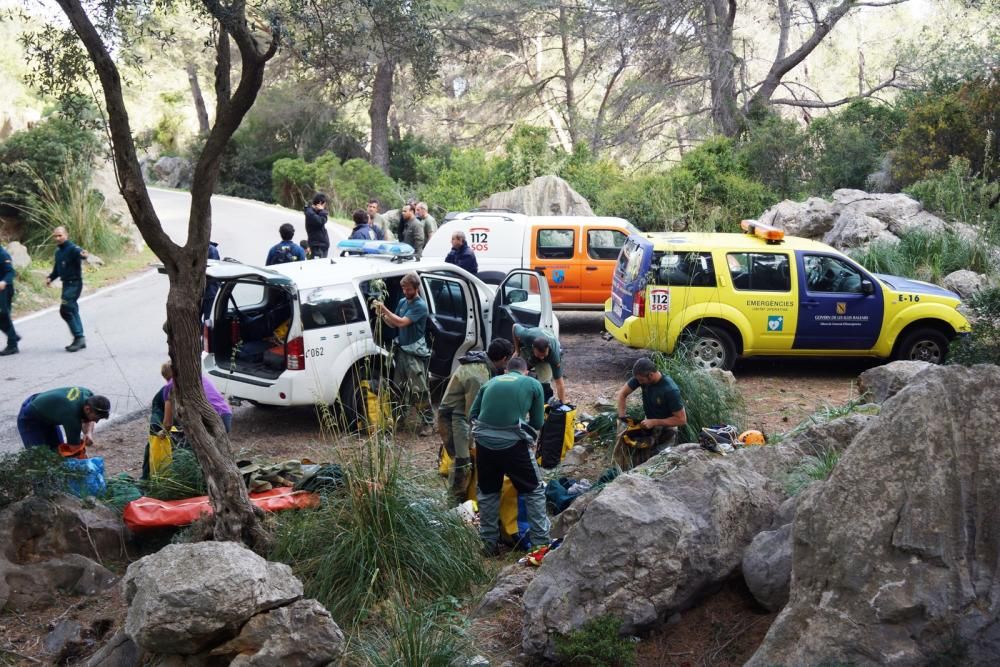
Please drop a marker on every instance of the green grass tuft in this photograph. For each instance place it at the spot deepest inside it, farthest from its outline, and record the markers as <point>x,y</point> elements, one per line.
<point>707,401</point>
<point>815,468</point>
<point>183,478</point>
<point>596,643</point>
<point>429,636</point>
<point>926,256</point>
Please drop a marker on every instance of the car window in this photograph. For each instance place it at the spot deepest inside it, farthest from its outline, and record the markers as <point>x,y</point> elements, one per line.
<point>446,298</point>
<point>831,274</point>
<point>330,306</point>
<point>245,296</point>
<point>522,290</point>
<point>630,262</point>
<point>686,269</point>
<point>760,271</point>
<point>604,243</point>
<point>556,243</point>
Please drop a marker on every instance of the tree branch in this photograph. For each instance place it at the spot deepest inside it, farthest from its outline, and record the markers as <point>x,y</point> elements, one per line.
<point>819,104</point>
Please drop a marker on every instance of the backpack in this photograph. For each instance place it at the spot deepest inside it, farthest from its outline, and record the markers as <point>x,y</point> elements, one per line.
<point>721,438</point>
<point>285,254</point>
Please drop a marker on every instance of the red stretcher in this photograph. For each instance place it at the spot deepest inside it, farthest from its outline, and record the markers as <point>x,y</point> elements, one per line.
<point>146,513</point>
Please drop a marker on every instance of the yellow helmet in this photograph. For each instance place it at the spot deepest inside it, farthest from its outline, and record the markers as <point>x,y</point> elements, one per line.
<point>751,438</point>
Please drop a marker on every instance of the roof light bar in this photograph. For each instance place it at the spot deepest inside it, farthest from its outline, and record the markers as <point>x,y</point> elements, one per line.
<point>760,230</point>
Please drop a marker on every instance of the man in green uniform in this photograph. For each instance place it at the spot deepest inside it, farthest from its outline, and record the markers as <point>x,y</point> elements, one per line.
<point>65,416</point>
<point>7,274</point>
<point>661,403</point>
<point>507,414</point>
<point>541,350</point>
<point>411,353</point>
<point>67,268</point>
<point>453,414</point>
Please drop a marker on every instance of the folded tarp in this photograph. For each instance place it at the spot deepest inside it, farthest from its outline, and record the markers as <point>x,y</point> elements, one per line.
<point>146,513</point>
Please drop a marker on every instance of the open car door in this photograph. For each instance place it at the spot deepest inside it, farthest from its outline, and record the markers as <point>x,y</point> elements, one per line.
<point>452,325</point>
<point>522,298</point>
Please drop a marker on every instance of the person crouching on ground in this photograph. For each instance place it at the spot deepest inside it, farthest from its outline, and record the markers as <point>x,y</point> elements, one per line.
<point>65,416</point>
<point>506,416</point>
<point>661,402</point>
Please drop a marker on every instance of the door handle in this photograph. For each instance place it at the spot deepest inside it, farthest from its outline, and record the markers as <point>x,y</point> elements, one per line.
<point>591,268</point>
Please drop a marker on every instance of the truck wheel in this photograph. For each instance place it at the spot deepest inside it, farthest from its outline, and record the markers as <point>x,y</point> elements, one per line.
<point>710,347</point>
<point>923,345</point>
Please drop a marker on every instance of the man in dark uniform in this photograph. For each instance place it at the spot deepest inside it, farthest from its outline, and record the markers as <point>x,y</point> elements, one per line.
<point>286,251</point>
<point>67,268</point>
<point>661,402</point>
<point>65,416</point>
<point>7,274</point>
<point>507,414</point>
<point>211,285</point>
<point>316,217</point>
<point>541,350</point>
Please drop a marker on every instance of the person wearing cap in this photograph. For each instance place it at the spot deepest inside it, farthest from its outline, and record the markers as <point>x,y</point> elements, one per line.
<point>541,350</point>
<point>661,403</point>
<point>64,416</point>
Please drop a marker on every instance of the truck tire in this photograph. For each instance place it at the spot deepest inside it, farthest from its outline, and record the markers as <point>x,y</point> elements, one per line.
<point>924,344</point>
<point>710,347</point>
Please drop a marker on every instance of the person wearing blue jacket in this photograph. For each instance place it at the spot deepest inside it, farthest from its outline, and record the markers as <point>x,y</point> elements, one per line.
<point>363,228</point>
<point>7,274</point>
<point>69,270</point>
<point>286,251</point>
<point>461,254</point>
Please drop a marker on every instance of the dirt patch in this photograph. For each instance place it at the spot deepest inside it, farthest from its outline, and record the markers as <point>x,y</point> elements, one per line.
<point>724,630</point>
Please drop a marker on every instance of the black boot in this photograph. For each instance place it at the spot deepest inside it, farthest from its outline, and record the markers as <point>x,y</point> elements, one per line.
<point>78,344</point>
<point>10,349</point>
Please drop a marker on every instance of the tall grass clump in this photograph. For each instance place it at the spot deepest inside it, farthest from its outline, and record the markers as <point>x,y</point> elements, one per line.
<point>707,401</point>
<point>429,636</point>
<point>383,534</point>
<point>35,471</point>
<point>926,256</point>
<point>982,346</point>
<point>183,478</point>
<point>813,468</point>
<point>71,202</point>
<point>959,194</point>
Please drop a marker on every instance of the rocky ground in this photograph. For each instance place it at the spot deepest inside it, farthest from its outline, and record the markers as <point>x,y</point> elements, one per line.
<point>725,630</point>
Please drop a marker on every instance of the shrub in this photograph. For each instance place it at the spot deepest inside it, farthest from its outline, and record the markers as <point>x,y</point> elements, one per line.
<point>348,185</point>
<point>405,153</point>
<point>982,346</point>
<point>848,146</point>
<point>590,177</point>
<point>707,401</point>
<point>32,471</point>
<point>459,182</point>
<point>384,535</point>
<point>183,478</point>
<point>70,202</point>
<point>708,191</point>
<point>527,155</point>
<point>960,121</point>
<point>56,145</point>
<point>597,643</point>
<point>775,152</point>
<point>926,256</point>
<point>958,194</point>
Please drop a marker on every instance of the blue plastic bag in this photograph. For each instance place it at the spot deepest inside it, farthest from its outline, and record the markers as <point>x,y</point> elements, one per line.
<point>87,477</point>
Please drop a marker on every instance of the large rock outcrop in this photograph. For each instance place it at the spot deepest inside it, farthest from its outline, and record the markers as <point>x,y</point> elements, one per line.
<point>897,556</point>
<point>648,544</point>
<point>203,603</point>
<point>48,545</point>
<point>853,218</point>
<point>546,195</point>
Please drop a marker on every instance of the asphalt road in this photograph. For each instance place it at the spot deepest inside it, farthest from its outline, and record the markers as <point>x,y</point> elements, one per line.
<point>123,323</point>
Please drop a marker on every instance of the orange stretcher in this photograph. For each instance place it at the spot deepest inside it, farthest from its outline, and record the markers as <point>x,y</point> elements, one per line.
<point>145,513</point>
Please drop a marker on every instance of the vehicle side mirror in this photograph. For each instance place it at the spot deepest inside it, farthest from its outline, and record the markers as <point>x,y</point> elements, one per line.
<point>867,288</point>
<point>517,295</point>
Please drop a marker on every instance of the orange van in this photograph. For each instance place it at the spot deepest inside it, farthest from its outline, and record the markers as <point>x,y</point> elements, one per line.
<point>576,254</point>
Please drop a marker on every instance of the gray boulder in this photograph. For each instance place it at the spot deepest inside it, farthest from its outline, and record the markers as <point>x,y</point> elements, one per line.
<point>19,256</point>
<point>811,219</point>
<point>303,634</point>
<point>172,172</point>
<point>963,282</point>
<point>648,545</point>
<point>767,566</point>
<point>884,382</point>
<point>896,556</point>
<point>546,195</point>
<point>854,229</point>
<point>119,651</point>
<point>186,597</point>
<point>507,590</point>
